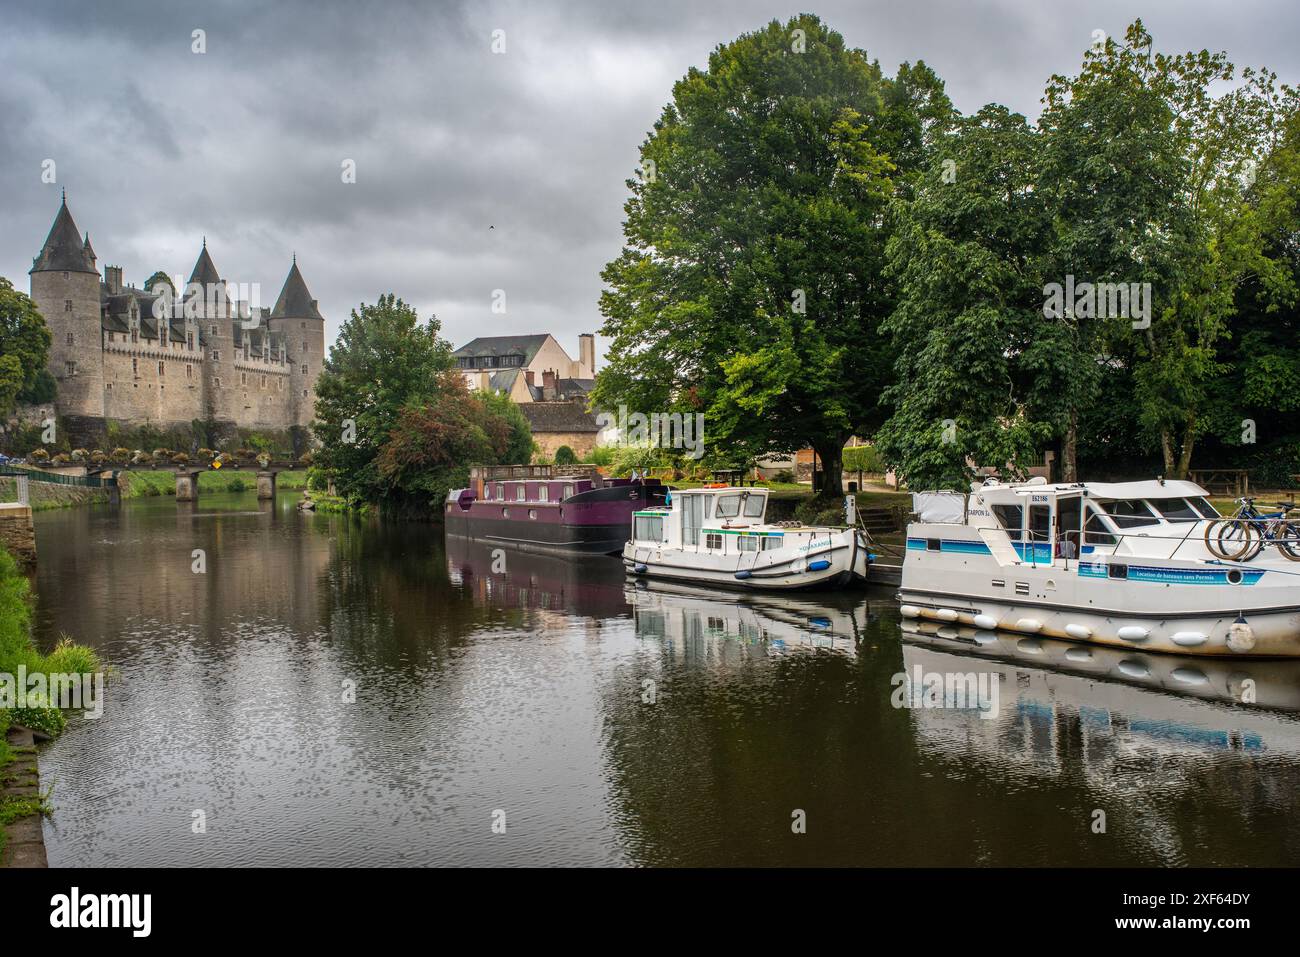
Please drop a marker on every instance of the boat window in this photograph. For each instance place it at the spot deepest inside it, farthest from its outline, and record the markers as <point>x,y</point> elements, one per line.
<point>749,543</point>
<point>1068,513</point>
<point>520,492</point>
<point>1176,509</point>
<point>1012,518</point>
<point>1095,532</point>
<point>1040,517</point>
<point>648,528</point>
<point>728,506</point>
<point>1204,507</point>
<point>543,493</point>
<point>532,513</point>
<point>1128,512</point>
<point>771,541</point>
<point>487,491</point>
<point>501,492</point>
<point>692,508</point>
<point>754,506</point>
<point>713,540</point>
<point>568,491</point>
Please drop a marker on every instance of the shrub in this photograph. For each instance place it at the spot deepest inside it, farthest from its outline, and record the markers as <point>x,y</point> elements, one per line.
<point>120,456</point>
<point>245,454</point>
<point>180,458</point>
<point>39,716</point>
<point>39,455</point>
<point>140,457</point>
<point>162,455</point>
<point>815,511</point>
<point>784,475</point>
<point>79,456</point>
<point>306,459</point>
<point>565,456</point>
<point>63,458</point>
<point>98,457</point>
<point>264,459</point>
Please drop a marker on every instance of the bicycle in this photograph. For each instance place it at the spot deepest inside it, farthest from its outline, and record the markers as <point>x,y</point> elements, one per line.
<point>1248,531</point>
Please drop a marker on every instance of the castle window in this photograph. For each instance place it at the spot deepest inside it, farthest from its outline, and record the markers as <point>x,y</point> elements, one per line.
<point>189,371</point>
<point>189,340</point>
<point>67,305</point>
<point>217,383</point>
<point>65,275</point>
<point>214,328</point>
<point>135,335</point>
<point>216,356</point>
<point>304,369</point>
<point>69,338</point>
<point>162,368</point>
<point>263,382</point>
<point>135,366</point>
<point>304,393</point>
<point>70,368</point>
<point>243,378</point>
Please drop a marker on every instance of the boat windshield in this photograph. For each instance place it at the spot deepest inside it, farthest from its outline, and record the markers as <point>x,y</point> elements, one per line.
<point>728,506</point>
<point>754,506</point>
<point>1129,512</point>
<point>1177,509</point>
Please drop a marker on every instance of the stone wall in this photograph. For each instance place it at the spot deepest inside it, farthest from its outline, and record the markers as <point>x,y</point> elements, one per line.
<point>17,532</point>
<point>582,443</point>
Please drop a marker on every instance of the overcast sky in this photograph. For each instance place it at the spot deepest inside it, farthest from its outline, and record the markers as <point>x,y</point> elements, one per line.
<point>475,171</point>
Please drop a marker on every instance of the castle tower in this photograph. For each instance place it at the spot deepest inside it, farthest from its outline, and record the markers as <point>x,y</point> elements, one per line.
<point>298,319</point>
<point>65,288</point>
<point>211,309</point>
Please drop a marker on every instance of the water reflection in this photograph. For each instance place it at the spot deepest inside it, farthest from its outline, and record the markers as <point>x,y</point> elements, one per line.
<point>613,722</point>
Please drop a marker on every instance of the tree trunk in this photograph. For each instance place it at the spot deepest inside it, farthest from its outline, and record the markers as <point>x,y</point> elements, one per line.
<point>831,454</point>
<point>1189,443</point>
<point>1070,450</point>
<point>1167,450</point>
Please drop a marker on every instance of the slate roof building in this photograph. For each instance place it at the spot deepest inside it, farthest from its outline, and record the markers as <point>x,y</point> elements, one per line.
<point>164,357</point>
<point>549,386</point>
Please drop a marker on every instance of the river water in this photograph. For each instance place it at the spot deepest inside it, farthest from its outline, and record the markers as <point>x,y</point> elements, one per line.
<point>332,691</point>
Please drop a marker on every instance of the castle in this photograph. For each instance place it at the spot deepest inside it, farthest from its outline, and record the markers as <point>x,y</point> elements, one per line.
<point>167,357</point>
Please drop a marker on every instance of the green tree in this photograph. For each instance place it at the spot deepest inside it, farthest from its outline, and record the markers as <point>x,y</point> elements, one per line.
<point>978,364</point>
<point>24,349</point>
<point>565,456</point>
<point>750,285</point>
<point>384,360</point>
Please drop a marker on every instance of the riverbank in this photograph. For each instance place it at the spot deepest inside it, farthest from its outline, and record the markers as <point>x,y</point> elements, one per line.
<point>22,806</point>
<point>45,496</point>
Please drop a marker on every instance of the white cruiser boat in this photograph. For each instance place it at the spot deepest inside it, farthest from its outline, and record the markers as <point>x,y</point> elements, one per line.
<point>1122,564</point>
<point>718,536</point>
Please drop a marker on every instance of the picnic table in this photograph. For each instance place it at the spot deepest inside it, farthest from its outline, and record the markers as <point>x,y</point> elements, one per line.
<point>1234,482</point>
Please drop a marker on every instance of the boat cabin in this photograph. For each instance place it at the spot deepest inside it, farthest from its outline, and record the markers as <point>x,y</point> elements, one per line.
<point>1038,523</point>
<point>723,521</point>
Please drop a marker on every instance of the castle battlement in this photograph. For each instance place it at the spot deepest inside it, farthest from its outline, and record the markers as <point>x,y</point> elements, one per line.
<point>156,356</point>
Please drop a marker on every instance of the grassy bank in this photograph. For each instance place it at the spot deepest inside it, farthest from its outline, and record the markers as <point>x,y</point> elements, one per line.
<point>45,497</point>
<point>17,650</point>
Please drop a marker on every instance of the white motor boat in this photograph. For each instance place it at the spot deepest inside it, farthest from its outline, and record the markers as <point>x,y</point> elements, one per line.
<point>718,536</point>
<point>1124,564</point>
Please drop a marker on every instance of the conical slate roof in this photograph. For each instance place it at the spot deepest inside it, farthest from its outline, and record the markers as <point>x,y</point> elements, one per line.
<point>90,250</point>
<point>295,298</point>
<point>204,272</point>
<point>63,249</point>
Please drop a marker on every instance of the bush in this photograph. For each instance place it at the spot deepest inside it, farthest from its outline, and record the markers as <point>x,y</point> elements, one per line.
<point>785,475</point>
<point>140,457</point>
<point>816,511</point>
<point>98,457</point>
<point>180,458</point>
<point>119,456</point>
<point>63,458</point>
<point>565,456</point>
<point>38,716</point>
<point>39,455</point>
<point>306,459</point>
<point>79,456</point>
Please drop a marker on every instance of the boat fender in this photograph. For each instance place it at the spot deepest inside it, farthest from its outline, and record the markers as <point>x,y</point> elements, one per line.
<point>1134,633</point>
<point>744,573</point>
<point>1241,637</point>
<point>987,622</point>
<point>1029,624</point>
<point>910,611</point>
<point>1189,639</point>
<point>946,614</point>
<point>819,566</point>
<point>1081,632</point>
<point>639,568</point>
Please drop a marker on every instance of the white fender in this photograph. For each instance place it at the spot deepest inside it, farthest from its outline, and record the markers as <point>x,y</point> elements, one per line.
<point>1134,633</point>
<point>1081,632</point>
<point>987,622</point>
<point>1029,624</point>
<point>910,611</point>
<point>946,614</point>
<point>1189,639</point>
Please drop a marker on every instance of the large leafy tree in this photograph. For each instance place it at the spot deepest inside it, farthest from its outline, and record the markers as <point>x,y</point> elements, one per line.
<point>750,286</point>
<point>1147,167</point>
<point>980,370</point>
<point>384,360</point>
<point>24,349</point>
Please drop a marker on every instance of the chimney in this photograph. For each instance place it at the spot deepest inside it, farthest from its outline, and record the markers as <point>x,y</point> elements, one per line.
<point>528,377</point>
<point>113,279</point>
<point>587,353</point>
<point>549,386</point>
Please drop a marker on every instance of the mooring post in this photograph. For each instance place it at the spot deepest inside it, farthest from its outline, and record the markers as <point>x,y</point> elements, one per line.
<point>187,486</point>
<point>266,485</point>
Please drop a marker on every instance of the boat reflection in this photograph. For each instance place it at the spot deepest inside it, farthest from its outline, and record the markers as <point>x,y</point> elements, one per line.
<point>695,621</point>
<point>1051,689</point>
<point>496,576</point>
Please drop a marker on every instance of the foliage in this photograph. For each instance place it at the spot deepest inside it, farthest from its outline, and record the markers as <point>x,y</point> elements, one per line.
<point>750,285</point>
<point>565,456</point>
<point>385,362</point>
<point>24,346</point>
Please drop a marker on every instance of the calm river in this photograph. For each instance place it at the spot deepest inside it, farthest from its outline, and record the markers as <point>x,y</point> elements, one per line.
<point>331,691</point>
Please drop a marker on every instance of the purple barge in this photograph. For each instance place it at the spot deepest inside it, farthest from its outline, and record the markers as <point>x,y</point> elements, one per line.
<point>550,508</point>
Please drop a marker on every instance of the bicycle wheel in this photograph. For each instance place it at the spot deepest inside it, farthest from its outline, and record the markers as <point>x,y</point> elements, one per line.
<point>1236,540</point>
<point>1288,542</point>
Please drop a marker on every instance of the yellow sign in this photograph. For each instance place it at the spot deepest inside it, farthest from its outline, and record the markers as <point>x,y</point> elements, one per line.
<point>217,464</point>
